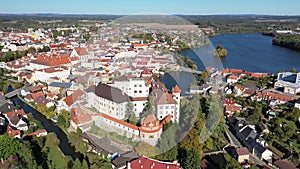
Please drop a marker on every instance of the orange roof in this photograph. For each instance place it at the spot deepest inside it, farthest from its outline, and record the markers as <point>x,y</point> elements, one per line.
<point>233,77</point>
<point>176,89</point>
<point>140,45</point>
<point>149,119</point>
<point>73,97</point>
<point>12,132</point>
<point>166,119</point>
<point>232,108</point>
<point>165,98</point>
<point>119,121</point>
<point>78,116</point>
<point>13,113</point>
<point>53,60</point>
<point>36,95</point>
<point>81,51</point>
<point>140,98</point>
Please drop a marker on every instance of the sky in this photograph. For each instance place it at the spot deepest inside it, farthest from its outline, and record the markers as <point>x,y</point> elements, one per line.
<point>199,7</point>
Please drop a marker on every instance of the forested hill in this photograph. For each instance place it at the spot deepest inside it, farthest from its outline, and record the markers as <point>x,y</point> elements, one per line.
<point>288,41</point>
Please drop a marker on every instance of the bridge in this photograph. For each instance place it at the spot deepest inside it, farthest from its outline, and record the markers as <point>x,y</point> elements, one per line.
<point>189,70</point>
<point>17,92</point>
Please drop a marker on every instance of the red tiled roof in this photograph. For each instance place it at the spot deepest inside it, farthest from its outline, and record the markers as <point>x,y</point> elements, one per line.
<point>73,97</point>
<point>148,163</point>
<point>242,151</point>
<point>54,60</point>
<point>34,96</point>
<point>119,121</point>
<point>81,51</point>
<point>233,77</point>
<point>140,98</point>
<point>78,116</point>
<point>229,101</point>
<point>13,113</point>
<point>176,89</point>
<point>232,108</point>
<point>12,132</point>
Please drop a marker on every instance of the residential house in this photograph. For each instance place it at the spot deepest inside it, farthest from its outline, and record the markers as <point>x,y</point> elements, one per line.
<point>121,161</point>
<point>68,102</point>
<point>39,133</point>
<point>16,119</point>
<point>56,87</point>
<point>102,146</point>
<point>79,119</point>
<point>242,154</point>
<point>284,164</point>
<point>260,151</point>
<point>13,132</point>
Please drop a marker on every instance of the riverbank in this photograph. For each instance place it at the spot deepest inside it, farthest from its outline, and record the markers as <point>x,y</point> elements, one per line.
<point>64,144</point>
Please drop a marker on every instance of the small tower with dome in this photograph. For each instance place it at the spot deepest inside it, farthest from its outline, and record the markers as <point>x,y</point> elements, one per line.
<point>150,129</point>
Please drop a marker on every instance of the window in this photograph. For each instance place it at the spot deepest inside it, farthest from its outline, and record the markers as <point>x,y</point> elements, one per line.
<point>140,85</point>
<point>135,91</point>
<point>135,85</point>
<point>140,91</point>
<point>167,107</point>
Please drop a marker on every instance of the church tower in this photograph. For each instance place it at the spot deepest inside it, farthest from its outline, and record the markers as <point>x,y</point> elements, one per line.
<point>176,96</point>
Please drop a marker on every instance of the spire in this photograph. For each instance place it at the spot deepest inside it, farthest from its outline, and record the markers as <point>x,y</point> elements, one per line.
<point>176,89</point>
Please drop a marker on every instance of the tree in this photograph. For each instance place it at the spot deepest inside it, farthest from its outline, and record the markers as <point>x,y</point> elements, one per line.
<point>96,162</point>
<point>77,142</point>
<point>231,163</point>
<point>293,70</point>
<point>220,51</point>
<point>85,164</point>
<point>77,164</point>
<point>192,160</point>
<point>129,109</point>
<point>8,146</point>
<point>26,157</point>
<point>63,119</point>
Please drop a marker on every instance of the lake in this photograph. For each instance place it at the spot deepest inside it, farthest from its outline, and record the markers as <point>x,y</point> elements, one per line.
<point>251,52</point>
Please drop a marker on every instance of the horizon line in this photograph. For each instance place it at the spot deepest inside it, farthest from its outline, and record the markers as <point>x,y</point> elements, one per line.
<point>57,13</point>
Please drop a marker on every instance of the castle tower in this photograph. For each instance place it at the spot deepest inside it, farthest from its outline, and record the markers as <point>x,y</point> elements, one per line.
<point>176,96</point>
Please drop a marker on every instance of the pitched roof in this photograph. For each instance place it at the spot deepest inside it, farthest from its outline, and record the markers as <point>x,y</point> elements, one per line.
<point>34,96</point>
<point>242,151</point>
<point>41,100</point>
<point>149,163</point>
<point>78,116</point>
<point>124,158</point>
<point>284,164</point>
<point>103,144</point>
<point>118,121</point>
<point>7,107</point>
<point>69,100</point>
<point>59,84</point>
<point>176,89</point>
<point>149,119</point>
<point>81,51</point>
<point>109,93</point>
